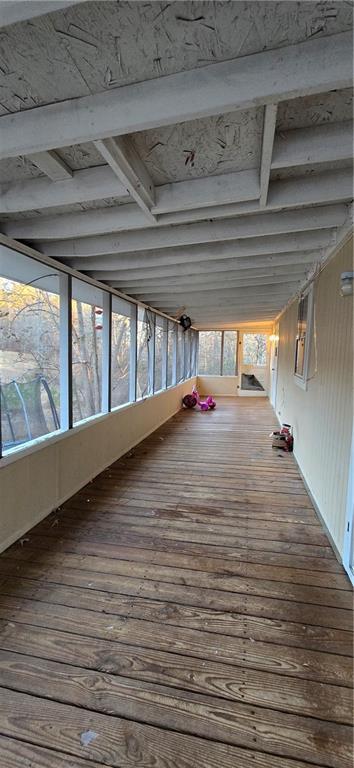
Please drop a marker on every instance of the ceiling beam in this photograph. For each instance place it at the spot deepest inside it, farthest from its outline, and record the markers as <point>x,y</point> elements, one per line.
<point>231,279</point>
<point>220,285</point>
<point>259,225</point>
<point>270,118</point>
<point>248,265</point>
<point>313,66</point>
<point>125,162</point>
<point>218,297</point>
<point>209,191</point>
<point>261,246</point>
<point>234,315</point>
<point>309,146</point>
<point>212,196</point>
<point>52,165</point>
<point>12,12</point>
<point>90,184</point>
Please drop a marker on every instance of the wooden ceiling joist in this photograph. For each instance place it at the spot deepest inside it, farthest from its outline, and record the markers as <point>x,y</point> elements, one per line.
<point>298,243</point>
<point>313,66</point>
<point>259,225</point>
<point>122,157</point>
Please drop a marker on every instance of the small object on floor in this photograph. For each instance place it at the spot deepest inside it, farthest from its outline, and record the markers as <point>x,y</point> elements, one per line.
<point>189,401</point>
<point>87,736</point>
<point>204,405</point>
<point>283,438</point>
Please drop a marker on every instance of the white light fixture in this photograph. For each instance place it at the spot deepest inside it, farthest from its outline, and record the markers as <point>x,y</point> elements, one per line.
<point>346,283</point>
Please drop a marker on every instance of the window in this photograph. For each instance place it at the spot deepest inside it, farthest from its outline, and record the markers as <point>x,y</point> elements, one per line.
<point>70,351</point>
<point>302,343</point>
<point>229,359</point>
<point>187,354</point>
<point>194,352</point>
<point>209,353</point>
<point>180,354</point>
<point>120,367</point>
<point>171,353</point>
<point>29,349</point>
<point>255,349</point>
<point>160,353</point>
<point>87,326</point>
<point>145,335</point>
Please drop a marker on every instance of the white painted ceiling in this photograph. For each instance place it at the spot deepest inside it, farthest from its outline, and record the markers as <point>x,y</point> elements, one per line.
<point>231,207</point>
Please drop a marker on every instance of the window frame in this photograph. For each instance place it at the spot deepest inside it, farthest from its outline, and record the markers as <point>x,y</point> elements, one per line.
<point>302,379</point>
<point>66,277</point>
<point>221,357</point>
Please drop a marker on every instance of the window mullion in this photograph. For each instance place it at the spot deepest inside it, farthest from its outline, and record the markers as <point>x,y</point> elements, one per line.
<point>133,353</point>
<point>151,355</point>
<point>106,352</point>
<point>222,354</point>
<point>164,355</point>
<point>66,404</point>
<point>174,359</point>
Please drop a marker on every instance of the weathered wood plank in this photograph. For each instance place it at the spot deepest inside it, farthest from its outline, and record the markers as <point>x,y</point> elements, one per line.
<point>175,614</point>
<point>208,564</point>
<point>121,743</point>
<point>295,662</point>
<point>159,705</point>
<point>188,617</point>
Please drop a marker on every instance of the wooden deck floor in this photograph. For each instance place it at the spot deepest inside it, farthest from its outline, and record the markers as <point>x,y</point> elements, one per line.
<point>184,610</point>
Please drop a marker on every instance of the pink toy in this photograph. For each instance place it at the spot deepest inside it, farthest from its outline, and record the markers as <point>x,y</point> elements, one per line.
<point>204,405</point>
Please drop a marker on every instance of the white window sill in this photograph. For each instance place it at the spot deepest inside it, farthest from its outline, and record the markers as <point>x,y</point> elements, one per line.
<point>300,382</point>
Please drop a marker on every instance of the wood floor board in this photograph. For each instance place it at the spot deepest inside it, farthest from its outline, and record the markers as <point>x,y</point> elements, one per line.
<point>223,579</point>
<point>183,592</point>
<point>122,743</point>
<point>206,564</point>
<point>284,633</point>
<point>235,723</point>
<point>327,564</point>
<point>185,608</point>
<point>239,651</point>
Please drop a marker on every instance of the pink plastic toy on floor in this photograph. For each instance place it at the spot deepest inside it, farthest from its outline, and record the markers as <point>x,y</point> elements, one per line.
<point>204,405</point>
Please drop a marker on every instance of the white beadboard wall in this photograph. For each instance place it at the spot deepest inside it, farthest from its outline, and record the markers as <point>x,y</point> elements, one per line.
<point>322,415</point>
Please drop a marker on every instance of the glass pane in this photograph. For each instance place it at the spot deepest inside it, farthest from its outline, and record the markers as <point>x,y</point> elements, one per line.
<point>144,336</point>
<point>302,316</point>
<point>29,349</point>
<point>172,328</point>
<point>300,356</point>
<point>255,349</point>
<point>180,354</point>
<point>209,361</point>
<point>187,354</point>
<point>121,311</point>
<point>159,340</point>
<point>86,350</point>
<point>229,361</point>
<point>194,353</point>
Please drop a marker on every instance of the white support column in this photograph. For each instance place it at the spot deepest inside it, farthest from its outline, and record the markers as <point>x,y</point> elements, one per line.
<point>106,352</point>
<point>196,353</point>
<point>174,359</point>
<point>151,352</point>
<point>65,353</point>
<point>164,352</point>
<point>133,353</point>
<point>222,354</point>
<point>270,118</point>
